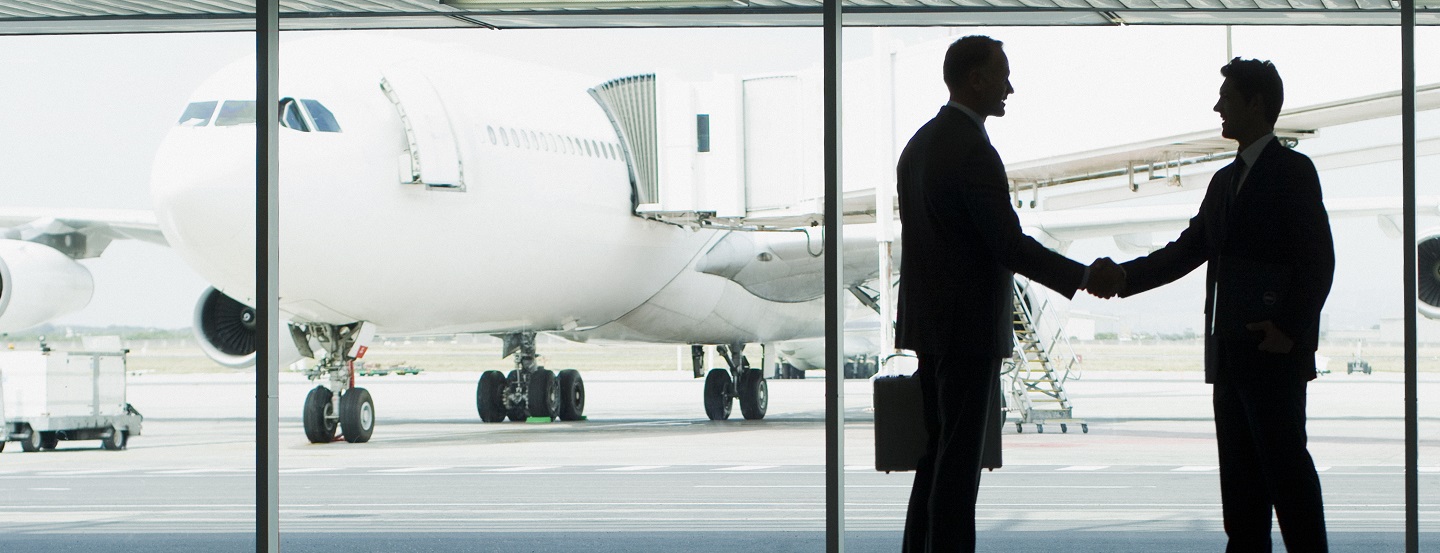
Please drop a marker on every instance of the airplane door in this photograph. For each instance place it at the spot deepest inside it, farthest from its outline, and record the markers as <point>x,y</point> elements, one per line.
<point>432,155</point>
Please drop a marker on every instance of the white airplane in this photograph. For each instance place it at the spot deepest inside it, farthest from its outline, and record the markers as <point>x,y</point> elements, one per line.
<point>430,191</point>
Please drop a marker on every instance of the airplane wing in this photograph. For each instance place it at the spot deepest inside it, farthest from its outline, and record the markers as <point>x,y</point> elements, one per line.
<point>1132,227</point>
<point>79,233</point>
<point>1177,151</point>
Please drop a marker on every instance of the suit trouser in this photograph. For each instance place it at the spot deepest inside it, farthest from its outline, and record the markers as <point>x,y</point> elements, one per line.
<point>958,391</point>
<point>1264,464</point>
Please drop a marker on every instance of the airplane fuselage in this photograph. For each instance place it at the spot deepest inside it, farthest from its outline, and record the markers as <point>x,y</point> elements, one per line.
<point>533,231</point>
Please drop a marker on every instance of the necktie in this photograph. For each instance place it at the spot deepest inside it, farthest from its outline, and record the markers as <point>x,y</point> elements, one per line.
<point>1239,166</point>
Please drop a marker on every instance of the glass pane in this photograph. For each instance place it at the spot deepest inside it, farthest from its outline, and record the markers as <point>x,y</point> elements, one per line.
<point>236,112</point>
<point>197,114</point>
<point>324,119</point>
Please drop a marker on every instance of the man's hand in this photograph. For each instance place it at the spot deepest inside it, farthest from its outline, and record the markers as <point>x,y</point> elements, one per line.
<point>1106,278</point>
<point>1275,341</point>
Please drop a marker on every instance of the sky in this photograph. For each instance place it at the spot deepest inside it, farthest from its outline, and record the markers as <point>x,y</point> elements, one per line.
<point>84,115</point>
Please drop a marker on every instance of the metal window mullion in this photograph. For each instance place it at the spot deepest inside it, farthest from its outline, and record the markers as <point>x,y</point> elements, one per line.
<point>267,277</point>
<point>1407,117</point>
<point>834,290</point>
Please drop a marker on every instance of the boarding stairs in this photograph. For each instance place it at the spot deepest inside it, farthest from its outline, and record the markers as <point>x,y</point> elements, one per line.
<point>1034,377</point>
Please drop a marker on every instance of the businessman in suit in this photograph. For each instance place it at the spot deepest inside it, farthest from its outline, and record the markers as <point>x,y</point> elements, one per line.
<point>963,244</point>
<point>1263,230</point>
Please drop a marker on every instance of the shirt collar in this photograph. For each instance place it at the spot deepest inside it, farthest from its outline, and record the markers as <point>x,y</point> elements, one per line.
<point>1252,153</point>
<point>977,118</point>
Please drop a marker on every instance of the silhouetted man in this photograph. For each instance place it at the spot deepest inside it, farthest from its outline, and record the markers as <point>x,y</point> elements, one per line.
<point>1264,231</point>
<point>963,244</point>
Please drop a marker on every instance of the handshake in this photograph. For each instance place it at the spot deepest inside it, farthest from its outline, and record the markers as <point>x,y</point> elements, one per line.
<point>1106,279</point>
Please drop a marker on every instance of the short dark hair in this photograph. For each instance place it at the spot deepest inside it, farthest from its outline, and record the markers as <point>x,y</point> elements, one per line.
<point>967,54</point>
<point>1256,77</point>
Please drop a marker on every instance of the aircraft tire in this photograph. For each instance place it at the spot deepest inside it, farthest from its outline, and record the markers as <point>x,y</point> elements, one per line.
<point>520,411</point>
<point>357,415</point>
<point>490,396</point>
<point>718,401</point>
<point>31,444</point>
<point>754,394</point>
<point>572,395</point>
<point>544,397</point>
<point>117,440</point>
<point>319,428</point>
<point>49,440</point>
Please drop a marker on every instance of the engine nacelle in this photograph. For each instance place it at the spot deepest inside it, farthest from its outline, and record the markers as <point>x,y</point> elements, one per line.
<point>1427,262</point>
<point>225,329</point>
<point>226,332</point>
<point>39,284</point>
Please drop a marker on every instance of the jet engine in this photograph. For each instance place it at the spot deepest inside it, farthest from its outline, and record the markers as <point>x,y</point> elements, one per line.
<point>38,284</point>
<point>1427,286</point>
<point>226,331</point>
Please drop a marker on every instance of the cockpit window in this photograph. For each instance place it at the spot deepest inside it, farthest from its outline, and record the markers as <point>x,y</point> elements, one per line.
<point>236,112</point>
<point>323,118</point>
<point>290,116</point>
<point>197,114</point>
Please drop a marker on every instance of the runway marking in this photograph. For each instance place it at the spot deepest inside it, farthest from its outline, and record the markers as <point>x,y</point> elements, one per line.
<point>411,469</point>
<point>308,469</point>
<point>1429,469</point>
<point>1085,467</point>
<point>635,467</point>
<point>76,472</point>
<point>857,468</point>
<point>197,471</point>
<point>49,489</point>
<point>520,469</point>
<point>1321,469</point>
<point>1195,468</point>
<point>749,467</point>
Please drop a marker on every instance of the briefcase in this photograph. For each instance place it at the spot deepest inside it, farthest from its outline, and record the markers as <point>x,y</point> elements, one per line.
<point>900,433</point>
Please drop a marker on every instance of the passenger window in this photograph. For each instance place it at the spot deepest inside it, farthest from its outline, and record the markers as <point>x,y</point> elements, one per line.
<point>514,138</point>
<point>588,150</point>
<point>236,112</point>
<point>323,118</point>
<point>491,130</point>
<point>197,114</point>
<point>504,137</point>
<point>569,145</point>
<point>290,117</point>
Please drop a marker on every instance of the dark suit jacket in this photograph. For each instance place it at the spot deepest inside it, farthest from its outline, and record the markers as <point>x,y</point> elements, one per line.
<point>1277,218</point>
<point>963,244</point>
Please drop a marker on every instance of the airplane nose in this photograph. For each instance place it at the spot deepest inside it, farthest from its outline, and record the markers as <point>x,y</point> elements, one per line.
<point>203,192</point>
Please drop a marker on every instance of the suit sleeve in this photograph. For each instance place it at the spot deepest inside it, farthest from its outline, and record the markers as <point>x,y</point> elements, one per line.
<point>1313,248</point>
<point>1175,259</point>
<point>985,198</point>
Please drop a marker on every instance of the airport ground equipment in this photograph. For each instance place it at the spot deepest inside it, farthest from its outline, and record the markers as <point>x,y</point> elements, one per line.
<point>1357,364</point>
<point>530,392</point>
<point>51,396</point>
<point>1043,360</point>
<point>722,386</point>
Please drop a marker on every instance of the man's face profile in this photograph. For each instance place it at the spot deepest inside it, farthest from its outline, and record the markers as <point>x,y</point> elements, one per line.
<point>992,84</point>
<point>1238,115</point>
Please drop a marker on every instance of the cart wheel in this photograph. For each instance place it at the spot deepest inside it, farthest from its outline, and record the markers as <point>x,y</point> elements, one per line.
<point>1084,429</point>
<point>1019,428</point>
<point>1063,429</point>
<point>1040,429</point>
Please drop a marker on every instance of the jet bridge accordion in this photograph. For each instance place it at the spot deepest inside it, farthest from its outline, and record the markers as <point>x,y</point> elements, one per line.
<point>900,433</point>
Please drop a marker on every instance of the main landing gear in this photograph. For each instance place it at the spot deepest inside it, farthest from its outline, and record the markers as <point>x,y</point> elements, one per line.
<point>723,386</point>
<point>530,390</point>
<point>336,403</point>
